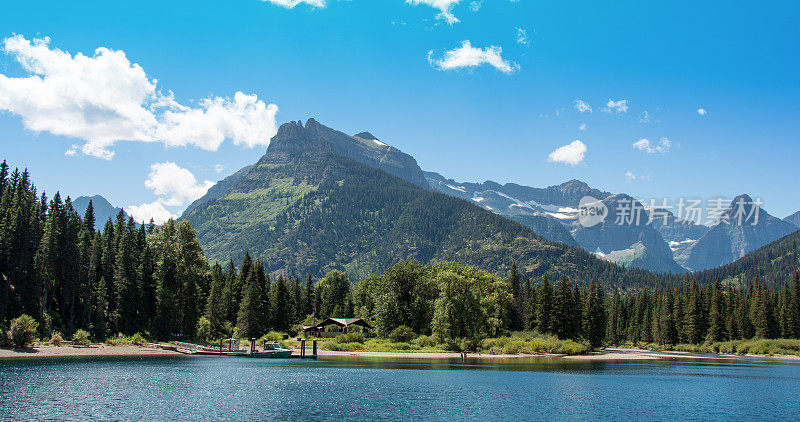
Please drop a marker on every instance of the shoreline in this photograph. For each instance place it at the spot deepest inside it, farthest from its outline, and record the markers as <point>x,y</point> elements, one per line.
<point>606,355</point>
<point>94,350</point>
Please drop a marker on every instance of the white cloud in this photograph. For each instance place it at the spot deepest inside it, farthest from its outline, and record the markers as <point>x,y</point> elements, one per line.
<point>218,168</point>
<point>571,153</point>
<point>73,149</point>
<point>154,210</point>
<point>582,126</point>
<point>476,5</point>
<point>104,98</point>
<point>620,106</point>
<point>629,177</point>
<point>290,4</point>
<point>644,117</point>
<point>702,111</point>
<point>582,106</point>
<point>663,146</point>
<point>175,185</point>
<point>469,56</point>
<point>522,37</point>
<point>445,8</point>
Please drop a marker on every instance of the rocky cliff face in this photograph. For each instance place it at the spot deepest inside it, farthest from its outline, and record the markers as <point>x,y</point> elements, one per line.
<point>626,237</point>
<point>793,219</point>
<point>732,237</point>
<point>294,139</point>
<point>673,229</point>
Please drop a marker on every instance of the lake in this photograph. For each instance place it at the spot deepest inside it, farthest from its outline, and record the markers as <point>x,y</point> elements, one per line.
<point>367,389</point>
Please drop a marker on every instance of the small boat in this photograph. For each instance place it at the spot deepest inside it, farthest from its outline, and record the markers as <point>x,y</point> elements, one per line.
<point>272,350</point>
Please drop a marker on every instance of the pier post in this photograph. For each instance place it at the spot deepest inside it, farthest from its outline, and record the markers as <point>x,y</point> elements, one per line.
<point>314,347</point>
<point>302,348</point>
<point>220,346</point>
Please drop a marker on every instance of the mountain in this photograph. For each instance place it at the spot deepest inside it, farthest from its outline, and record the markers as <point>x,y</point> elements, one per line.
<point>626,237</point>
<point>775,264</point>
<point>794,219</point>
<point>309,206</point>
<point>103,210</point>
<point>551,198</point>
<point>221,188</point>
<point>733,236</point>
<point>673,229</point>
<point>538,208</point>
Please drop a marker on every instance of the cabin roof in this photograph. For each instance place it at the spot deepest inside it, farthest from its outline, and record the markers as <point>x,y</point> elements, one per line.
<point>342,322</point>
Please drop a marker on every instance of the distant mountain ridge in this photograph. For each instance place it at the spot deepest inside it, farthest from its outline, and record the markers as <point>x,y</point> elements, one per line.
<point>631,240</point>
<point>793,219</point>
<point>103,210</point>
<point>732,237</point>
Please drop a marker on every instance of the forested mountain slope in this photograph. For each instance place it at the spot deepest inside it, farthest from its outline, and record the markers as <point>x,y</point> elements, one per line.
<point>774,263</point>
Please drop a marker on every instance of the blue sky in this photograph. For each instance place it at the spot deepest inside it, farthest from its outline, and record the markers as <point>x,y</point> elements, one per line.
<point>384,66</point>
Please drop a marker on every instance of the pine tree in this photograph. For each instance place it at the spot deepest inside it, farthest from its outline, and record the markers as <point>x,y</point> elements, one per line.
<point>281,305</point>
<point>794,317</point>
<point>716,317</point>
<point>215,306</point>
<point>249,319</point>
<point>692,316</point>
<point>544,305</point>
<point>309,301</point>
<point>517,301</point>
<point>761,310</point>
<point>595,316</point>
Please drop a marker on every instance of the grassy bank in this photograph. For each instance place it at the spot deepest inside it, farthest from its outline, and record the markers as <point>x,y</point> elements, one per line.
<point>518,343</point>
<point>766,347</point>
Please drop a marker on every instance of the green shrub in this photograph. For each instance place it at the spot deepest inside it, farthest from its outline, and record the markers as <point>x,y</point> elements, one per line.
<point>118,340</point>
<point>23,331</point>
<point>138,339</point>
<point>56,339</point>
<point>350,338</point>
<point>402,334</point>
<point>81,338</point>
<point>269,337</point>
<point>203,329</point>
<point>427,341</point>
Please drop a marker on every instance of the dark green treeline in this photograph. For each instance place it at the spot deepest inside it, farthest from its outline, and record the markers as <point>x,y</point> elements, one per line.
<point>58,267</point>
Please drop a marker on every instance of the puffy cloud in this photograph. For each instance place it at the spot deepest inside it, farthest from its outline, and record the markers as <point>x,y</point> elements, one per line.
<point>154,210</point>
<point>290,4</point>
<point>629,177</point>
<point>469,56</point>
<point>522,37</point>
<point>218,168</point>
<point>175,185</point>
<point>104,98</point>
<point>620,106</point>
<point>663,146</point>
<point>702,111</point>
<point>644,117</point>
<point>582,126</point>
<point>582,106</point>
<point>476,5</point>
<point>445,8</point>
<point>71,151</point>
<point>571,153</point>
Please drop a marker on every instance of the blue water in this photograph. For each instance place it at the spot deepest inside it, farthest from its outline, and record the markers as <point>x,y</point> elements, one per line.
<point>217,388</point>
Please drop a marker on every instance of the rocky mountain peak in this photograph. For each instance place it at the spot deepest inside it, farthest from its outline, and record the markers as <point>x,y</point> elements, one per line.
<point>366,135</point>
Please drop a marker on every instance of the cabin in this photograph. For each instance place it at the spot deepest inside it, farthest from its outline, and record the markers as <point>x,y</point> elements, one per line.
<point>344,325</point>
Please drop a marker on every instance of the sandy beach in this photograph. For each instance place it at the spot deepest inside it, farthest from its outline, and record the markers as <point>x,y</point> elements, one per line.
<point>97,350</point>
